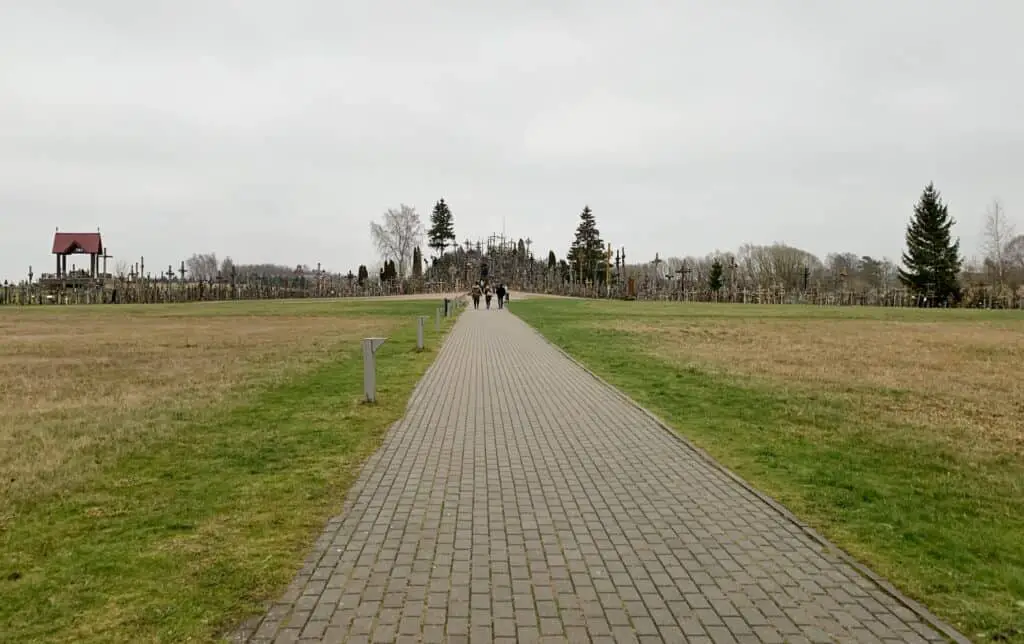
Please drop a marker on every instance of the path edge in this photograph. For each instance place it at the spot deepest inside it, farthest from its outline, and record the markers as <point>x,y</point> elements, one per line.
<point>243,632</point>
<point>915,607</point>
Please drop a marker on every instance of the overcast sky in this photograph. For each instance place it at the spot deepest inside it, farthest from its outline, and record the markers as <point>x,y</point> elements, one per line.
<point>277,130</point>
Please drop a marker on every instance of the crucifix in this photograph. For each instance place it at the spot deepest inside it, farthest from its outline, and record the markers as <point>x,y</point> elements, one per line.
<point>657,262</point>
<point>683,272</point>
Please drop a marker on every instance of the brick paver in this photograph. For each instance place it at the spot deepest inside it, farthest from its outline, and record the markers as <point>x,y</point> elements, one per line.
<point>522,500</point>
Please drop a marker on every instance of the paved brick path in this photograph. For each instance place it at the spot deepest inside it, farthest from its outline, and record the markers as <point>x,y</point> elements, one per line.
<point>520,499</point>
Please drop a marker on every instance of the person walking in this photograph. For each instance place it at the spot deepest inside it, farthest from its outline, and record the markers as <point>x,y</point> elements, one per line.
<point>487,296</point>
<point>476,296</point>
<point>500,292</point>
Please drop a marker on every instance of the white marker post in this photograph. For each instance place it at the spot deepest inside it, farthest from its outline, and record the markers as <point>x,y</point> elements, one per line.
<point>421,322</point>
<point>370,346</point>
<point>437,319</point>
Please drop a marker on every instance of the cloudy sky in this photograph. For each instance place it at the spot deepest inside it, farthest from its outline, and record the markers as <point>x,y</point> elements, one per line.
<point>276,131</point>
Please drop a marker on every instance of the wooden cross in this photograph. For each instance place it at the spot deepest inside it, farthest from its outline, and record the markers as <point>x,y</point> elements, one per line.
<point>683,271</point>
<point>181,271</point>
<point>169,273</point>
<point>105,256</point>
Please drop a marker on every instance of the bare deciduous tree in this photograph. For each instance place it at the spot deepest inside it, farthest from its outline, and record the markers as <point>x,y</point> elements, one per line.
<point>202,266</point>
<point>400,232</point>
<point>999,232</point>
<point>1014,256</point>
<point>775,265</point>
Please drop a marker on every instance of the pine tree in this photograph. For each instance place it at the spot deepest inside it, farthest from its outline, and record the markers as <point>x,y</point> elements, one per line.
<point>715,281</point>
<point>363,274</point>
<point>442,228</point>
<point>552,260</point>
<point>586,255</point>
<point>417,263</point>
<point>931,263</point>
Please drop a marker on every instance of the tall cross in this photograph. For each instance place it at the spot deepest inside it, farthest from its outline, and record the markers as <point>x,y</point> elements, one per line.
<point>683,271</point>
<point>105,256</point>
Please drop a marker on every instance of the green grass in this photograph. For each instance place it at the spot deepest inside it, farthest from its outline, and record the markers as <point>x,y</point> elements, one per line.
<point>182,536</point>
<point>943,524</point>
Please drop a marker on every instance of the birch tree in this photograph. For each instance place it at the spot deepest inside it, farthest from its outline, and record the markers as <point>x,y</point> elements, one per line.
<point>998,234</point>
<point>397,235</point>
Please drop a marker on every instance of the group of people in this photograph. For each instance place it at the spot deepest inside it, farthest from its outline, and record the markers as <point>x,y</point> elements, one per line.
<point>484,289</point>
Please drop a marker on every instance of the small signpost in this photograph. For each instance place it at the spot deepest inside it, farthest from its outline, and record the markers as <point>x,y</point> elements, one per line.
<point>370,346</point>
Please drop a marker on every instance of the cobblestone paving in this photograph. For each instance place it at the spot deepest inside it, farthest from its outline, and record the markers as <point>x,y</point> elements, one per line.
<point>520,500</point>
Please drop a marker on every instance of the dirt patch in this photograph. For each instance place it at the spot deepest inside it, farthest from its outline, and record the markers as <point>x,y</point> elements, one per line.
<point>71,385</point>
<point>963,378</point>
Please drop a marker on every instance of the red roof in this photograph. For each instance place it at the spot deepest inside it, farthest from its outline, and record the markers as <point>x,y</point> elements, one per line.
<point>64,243</point>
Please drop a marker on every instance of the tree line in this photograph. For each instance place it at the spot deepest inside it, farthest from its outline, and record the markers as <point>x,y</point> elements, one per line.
<point>931,266</point>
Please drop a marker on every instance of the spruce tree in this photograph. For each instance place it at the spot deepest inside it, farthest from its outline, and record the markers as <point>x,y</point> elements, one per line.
<point>931,263</point>
<point>552,260</point>
<point>586,255</point>
<point>715,276</point>
<point>363,274</point>
<point>442,228</point>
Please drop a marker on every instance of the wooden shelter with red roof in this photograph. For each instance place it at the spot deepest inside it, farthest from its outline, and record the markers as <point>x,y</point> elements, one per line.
<point>90,244</point>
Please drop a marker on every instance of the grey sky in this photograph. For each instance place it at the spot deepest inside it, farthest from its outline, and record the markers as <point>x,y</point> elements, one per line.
<point>275,131</point>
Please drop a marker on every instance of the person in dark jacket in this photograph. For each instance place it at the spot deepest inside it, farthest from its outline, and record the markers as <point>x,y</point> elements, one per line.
<point>500,292</point>
<point>476,296</point>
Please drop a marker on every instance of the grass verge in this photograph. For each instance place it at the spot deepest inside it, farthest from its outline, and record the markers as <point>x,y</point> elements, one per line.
<point>205,509</point>
<point>911,460</point>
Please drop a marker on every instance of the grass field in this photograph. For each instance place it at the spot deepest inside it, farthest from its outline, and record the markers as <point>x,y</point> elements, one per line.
<point>897,433</point>
<point>165,469</point>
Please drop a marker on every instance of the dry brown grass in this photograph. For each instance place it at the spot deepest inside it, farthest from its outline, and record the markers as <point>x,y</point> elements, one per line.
<point>965,377</point>
<point>75,386</point>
